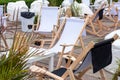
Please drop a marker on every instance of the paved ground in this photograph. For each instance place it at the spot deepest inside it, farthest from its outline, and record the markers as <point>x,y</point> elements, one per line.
<point>89,75</point>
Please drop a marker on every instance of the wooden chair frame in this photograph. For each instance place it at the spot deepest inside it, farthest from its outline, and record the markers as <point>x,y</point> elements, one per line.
<point>69,71</point>
<point>97,24</point>
<point>111,17</point>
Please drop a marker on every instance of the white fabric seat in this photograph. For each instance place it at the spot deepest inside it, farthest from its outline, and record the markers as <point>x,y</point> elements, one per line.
<point>49,18</point>
<point>115,51</point>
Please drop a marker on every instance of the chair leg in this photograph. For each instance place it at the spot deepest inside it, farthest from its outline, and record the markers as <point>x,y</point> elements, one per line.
<point>71,74</point>
<point>94,31</point>
<point>102,74</point>
<point>82,73</point>
<point>103,27</point>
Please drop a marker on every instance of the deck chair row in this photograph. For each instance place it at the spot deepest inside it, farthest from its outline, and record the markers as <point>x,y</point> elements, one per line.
<point>46,52</point>
<point>113,13</point>
<point>73,29</point>
<point>96,25</point>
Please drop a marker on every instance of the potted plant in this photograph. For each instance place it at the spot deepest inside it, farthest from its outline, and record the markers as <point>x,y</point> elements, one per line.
<point>13,63</point>
<point>116,76</point>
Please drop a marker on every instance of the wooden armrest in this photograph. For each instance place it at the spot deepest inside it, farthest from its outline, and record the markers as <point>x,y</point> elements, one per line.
<point>37,69</point>
<point>43,40</point>
<point>69,57</point>
<point>67,45</point>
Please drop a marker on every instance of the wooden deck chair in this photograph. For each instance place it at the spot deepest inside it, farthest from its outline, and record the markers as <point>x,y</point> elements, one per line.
<point>112,14</point>
<point>2,31</point>
<point>108,11</point>
<point>95,25</point>
<point>74,28</point>
<point>14,23</point>
<point>55,38</point>
<point>48,23</point>
<point>85,56</point>
<point>49,20</point>
<point>3,25</point>
<point>94,60</point>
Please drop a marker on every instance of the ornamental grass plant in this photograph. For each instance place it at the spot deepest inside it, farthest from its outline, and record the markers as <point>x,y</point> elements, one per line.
<point>13,63</point>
